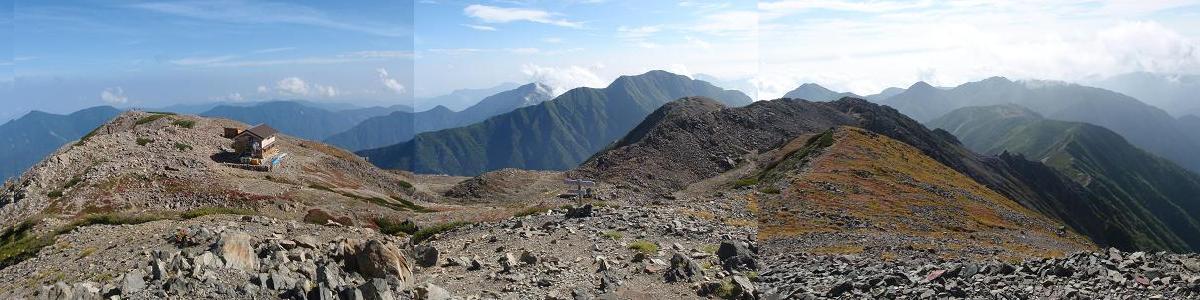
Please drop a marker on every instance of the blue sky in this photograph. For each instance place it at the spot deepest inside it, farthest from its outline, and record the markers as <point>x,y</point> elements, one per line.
<point>72,54</point>
<point>578,43</point>
<point>67,55</point>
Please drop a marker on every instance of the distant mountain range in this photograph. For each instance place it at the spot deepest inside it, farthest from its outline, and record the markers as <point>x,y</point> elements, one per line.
<point>401,126</point>
<point>198,108</point>
<point>553,135</point>
<point>460,99</point>
<point>1178,95</point>
<point>1152,200</point>
<point>1143,125</point>
<point>814,92</point>
<point>299,120</point>
<point>28,139</point>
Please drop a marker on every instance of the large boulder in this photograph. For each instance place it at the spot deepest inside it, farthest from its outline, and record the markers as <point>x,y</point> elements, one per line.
<point>376,259</point>
<point>234,247</point>
<point>737,256</point>
<point>682,268</point>
<point>427,256</point>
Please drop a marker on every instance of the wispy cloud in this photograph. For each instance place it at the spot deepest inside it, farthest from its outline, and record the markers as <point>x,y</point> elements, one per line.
<point>493,14</point>
<point>371,54</point>
<point>256,12</point>
<point>193,61</point>
<point>774,9</point>
<point>235,61</point>
<point>523,51</point>
<point>480,27</point>
<point>273,50</point>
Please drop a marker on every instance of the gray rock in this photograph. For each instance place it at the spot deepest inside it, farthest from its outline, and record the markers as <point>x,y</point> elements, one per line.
<point>376,289</point>
<point>584,211</point>
<point>507,262</point>
<point>85,291</point>
<point>603,264</point>
<point>475,264</point>
<point>743,285</point>
<point>133,282</point>
<point>376,259</point>
<point>731,249</point>
<point>682,268</point>
<point>234,247</point>
<point>528,258</point>
<point>426,255</point>
<point>429,291</point>
<point>840,288</point>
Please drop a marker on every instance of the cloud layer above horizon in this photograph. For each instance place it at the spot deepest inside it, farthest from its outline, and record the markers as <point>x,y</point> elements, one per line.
<point>155,53</point>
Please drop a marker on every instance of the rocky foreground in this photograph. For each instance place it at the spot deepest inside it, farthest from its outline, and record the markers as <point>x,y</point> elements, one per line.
<point>1101,275</point>
<point>578,253</point>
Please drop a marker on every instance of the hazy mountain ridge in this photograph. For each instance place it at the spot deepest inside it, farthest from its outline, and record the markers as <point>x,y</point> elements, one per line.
<point>461,99</point>
<point>401,126</point>
<point>1175,93</point>
<point>26,140</point>
<point>1152,200</point>
<point>298,119</point>
<point>553,135</point>
<point>1145,126</point>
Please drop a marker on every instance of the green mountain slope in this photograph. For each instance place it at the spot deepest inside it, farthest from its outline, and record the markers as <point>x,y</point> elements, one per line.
<point>400,126</point>
<point>553,135</point>
<point>25,141</point>
<point>1152,200</point>
<point>1143,125</point>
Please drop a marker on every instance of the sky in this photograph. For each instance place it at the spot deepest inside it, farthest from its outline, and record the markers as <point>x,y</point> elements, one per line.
<point>69,55</point>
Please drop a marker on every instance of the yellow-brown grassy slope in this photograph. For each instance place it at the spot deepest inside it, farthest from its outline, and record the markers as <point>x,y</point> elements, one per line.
<point>853,191</point>
<point>159,165</point>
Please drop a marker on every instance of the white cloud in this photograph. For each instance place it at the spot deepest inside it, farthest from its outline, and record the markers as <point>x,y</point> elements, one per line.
<point>235,97</point>
<point>949,43</point>
<point>561,79</point>
<point>390,83</point>
<point>480,27</point>
<point>114,95</point>
<point>294,86</point>
<point>327,91</point>
<point>552,40</point>
<point>262,89</point>
<point>493,14</point>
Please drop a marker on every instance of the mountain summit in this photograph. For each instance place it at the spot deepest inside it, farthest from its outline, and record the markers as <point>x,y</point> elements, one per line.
<point>815,92</point>
<point>553,135</point>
